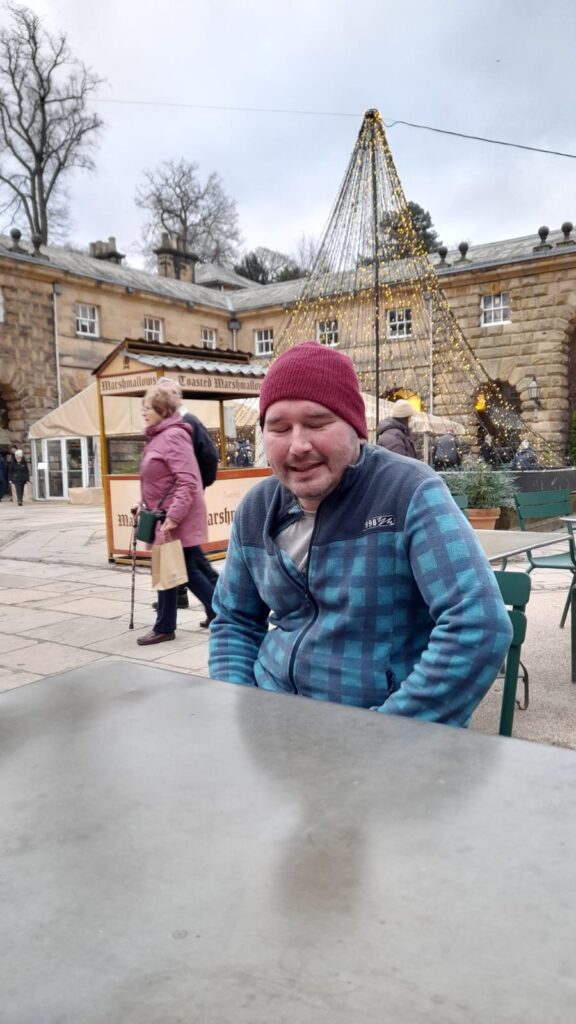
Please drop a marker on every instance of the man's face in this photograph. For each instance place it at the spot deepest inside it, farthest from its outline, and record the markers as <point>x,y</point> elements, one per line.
<point>308,448</point>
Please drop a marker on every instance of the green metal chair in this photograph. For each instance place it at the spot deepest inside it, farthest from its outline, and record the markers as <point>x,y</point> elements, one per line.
<point>515,590</point>
<point>462,502</point>
<point>538,506</point>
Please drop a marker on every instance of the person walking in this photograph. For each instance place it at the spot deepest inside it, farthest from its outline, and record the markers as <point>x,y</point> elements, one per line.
<point>3,475</point>
<point>207,458</point>
<point>19,475</point>
<point>393,432</point>
<point>377,589</point>
<point>488,452</point>
<point>170,479</point>
<point>447,453</point>
<point>525,457</point>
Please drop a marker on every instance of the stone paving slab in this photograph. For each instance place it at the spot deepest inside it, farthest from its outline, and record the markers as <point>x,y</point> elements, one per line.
<point>19,618</point>
<point>194,659</point>
<point>10,642</point>
<point>58,657</point>
<point>20,595</point>
<point>79,632</point>
<point>94,606</point>
<point>14,579</point>
<point>126,644</point>
<point>10,680</point>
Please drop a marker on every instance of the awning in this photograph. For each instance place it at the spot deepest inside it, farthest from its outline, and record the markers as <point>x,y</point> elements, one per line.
<point>78,417</point>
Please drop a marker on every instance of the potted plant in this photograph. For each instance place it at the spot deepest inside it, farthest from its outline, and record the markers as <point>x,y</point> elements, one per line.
<point>487,491</point>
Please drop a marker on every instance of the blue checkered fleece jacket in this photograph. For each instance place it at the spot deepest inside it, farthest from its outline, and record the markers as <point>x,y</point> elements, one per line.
<point>398,609</point>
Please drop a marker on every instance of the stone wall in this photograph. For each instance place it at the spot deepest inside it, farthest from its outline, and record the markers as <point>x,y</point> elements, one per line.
<point>537,341</point>
<point>28,381</point>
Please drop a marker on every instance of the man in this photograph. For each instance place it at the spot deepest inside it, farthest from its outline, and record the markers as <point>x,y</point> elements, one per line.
<point>393,433</point>
<point>447,452</point>
<point>488,451</point>
<point>377,590</point>
<point>19,475</point>
<point>207,458</point>
<point>2,475</point>
<point>525,457</point>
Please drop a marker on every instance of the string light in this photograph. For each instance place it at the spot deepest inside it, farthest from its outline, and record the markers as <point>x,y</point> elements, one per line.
<point>373,277</point>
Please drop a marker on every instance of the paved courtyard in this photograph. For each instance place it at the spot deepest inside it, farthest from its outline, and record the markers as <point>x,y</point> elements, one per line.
<point>63,605</point>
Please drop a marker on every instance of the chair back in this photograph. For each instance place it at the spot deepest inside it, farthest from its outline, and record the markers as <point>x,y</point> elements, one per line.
<point>515,590</point>
<point>541,505</point>
<point>461,500</point>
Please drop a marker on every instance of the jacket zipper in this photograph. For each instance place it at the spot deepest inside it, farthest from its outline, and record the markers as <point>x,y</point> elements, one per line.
<point>308,597</point>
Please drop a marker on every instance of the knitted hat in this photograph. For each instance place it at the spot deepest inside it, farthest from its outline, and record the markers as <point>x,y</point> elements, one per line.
<point>401,409</point>
<point>315,373</point>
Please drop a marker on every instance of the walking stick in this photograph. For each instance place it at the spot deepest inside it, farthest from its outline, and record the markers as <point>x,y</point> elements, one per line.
<point>133,553</point>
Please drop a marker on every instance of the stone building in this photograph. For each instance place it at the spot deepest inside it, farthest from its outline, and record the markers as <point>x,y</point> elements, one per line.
<point>62,312</point>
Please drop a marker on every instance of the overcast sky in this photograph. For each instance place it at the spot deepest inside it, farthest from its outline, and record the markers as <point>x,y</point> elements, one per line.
<point>503,69</point>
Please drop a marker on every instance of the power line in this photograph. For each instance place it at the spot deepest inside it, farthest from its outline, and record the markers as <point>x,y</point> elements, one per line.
<point>482,138</point>
<point>332,113</point>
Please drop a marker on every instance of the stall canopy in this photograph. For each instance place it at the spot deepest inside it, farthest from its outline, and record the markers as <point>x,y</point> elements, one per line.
<point>78,417</point>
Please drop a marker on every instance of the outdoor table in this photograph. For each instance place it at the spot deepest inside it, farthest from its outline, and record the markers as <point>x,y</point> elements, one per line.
<point>500,544</point>
<point>180,850</point>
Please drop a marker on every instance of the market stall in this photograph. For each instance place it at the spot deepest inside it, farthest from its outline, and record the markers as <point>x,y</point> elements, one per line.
<point>215,387</point>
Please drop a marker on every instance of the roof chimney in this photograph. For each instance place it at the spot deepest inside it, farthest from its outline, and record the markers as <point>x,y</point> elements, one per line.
<point>106,251</point>
<point>174,260</point>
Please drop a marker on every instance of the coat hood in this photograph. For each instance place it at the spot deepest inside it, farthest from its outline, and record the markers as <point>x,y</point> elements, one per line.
<point>167,424</point>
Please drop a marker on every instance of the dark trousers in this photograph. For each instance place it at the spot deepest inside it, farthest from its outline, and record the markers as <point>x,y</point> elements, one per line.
<point>19,491</point>
<point>200,583</point>
<point>205,567</point>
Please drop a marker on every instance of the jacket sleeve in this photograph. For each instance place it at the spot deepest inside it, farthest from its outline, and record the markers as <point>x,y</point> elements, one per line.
<point>241,621</point>
<point>181,462</point>
<point>471,630</point>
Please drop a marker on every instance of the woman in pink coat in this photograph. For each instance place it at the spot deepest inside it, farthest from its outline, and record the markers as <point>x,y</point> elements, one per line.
<point>170,479</point>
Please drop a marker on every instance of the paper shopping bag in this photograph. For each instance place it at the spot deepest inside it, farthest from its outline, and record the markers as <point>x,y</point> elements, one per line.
<point>168,565</point>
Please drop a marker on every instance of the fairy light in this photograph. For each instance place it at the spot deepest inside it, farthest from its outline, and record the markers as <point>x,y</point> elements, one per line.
<point>341,288</point>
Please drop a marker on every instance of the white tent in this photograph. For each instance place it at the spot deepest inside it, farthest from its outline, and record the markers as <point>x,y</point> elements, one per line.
<point>78,417</point>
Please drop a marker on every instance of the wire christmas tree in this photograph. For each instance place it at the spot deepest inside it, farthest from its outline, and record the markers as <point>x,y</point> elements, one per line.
<point>373,291</point>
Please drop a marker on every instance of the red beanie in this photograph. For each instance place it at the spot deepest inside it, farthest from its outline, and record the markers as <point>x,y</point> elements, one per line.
<point>316,373</point>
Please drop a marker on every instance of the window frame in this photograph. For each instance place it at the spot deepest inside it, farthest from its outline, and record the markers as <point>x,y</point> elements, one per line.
<point>493,305</point>
<point>80,318</point>
<point>149,331</point>
<point>399,329</point>
<point>263,341</point>
<point>324,333</point>
<point>209,343</point>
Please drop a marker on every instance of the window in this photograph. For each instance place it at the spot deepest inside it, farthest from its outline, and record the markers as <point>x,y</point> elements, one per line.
<point>495,309</point>
<point>399,323</point>
<point>87,320</point>
<point>208,337</point>
<point>153,329</point>
<point>264,342</point>
<point>327,332</point>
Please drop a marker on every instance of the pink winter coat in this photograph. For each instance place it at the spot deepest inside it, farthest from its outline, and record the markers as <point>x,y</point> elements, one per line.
<point>169,471</point>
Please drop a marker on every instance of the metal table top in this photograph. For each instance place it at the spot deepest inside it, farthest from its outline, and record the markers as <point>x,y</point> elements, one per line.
<point>499,544</point>
<point>175,850</point>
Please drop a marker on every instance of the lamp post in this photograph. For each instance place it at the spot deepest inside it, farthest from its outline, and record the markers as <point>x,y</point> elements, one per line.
<point>534,390</point>
<point>234,326</point>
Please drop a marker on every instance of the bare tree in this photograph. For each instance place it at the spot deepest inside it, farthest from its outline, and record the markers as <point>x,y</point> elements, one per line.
<point>305,252</point>
<point>45,128</point>
<point>200,215</point>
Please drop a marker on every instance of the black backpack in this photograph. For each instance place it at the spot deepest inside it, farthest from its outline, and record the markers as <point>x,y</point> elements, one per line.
<point>205,450</point>
<point>447,450</point>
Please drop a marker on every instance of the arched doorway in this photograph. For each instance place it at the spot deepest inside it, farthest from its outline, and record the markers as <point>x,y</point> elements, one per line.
<point>498,407</point>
